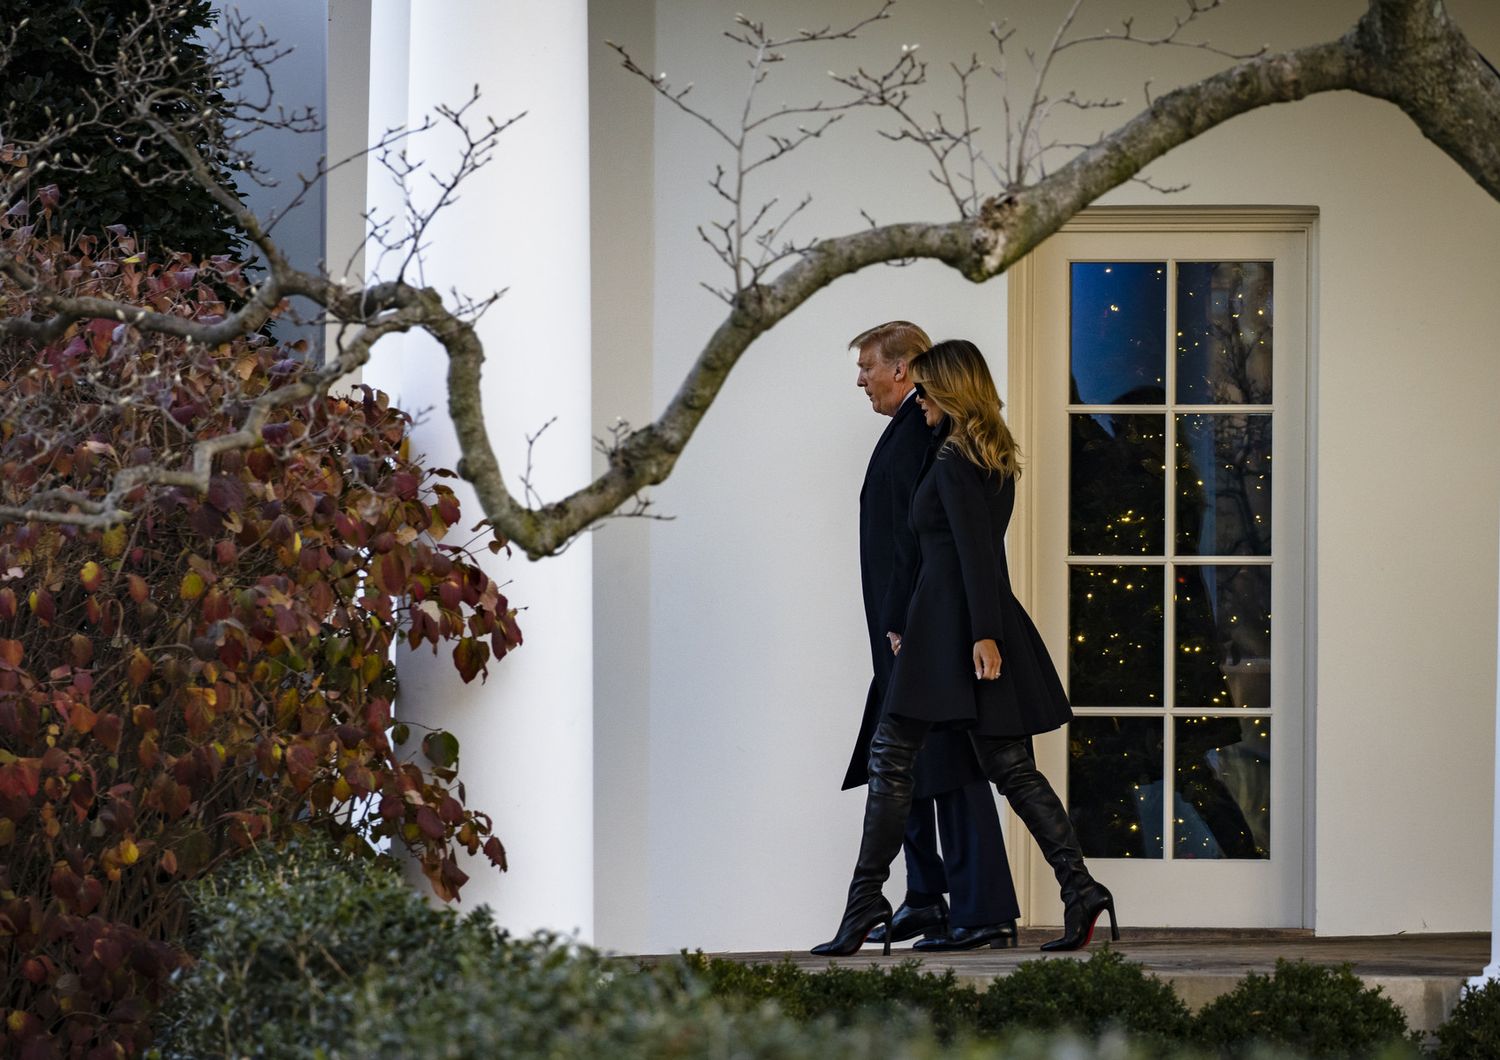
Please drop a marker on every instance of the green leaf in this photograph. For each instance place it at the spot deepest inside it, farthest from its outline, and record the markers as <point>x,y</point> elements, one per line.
<point>441,748</point>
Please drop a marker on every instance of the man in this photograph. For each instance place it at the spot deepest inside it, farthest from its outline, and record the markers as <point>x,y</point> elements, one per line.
<point>973,866</point>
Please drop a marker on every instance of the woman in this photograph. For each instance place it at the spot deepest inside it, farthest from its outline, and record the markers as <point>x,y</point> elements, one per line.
<point>950,671</point>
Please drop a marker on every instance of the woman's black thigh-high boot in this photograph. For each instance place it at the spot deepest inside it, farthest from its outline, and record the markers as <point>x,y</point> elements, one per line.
<point>893,753</point>
<point>1009,765</point>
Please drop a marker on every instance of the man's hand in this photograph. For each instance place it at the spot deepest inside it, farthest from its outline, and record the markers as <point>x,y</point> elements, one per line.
<point>895,639</point>
<point>986,660</point>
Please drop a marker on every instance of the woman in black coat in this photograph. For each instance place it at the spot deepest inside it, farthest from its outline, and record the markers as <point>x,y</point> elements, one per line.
<point>969,656</point>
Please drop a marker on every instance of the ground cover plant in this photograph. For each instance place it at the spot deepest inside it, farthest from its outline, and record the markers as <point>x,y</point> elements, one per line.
<point>215,672</point>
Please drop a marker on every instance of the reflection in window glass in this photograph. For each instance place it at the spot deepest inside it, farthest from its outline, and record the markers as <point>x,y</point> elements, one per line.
<point>1115,786</point>
<point>1222,808</point>
<point>1223,656</point>
<point>1224,484</point>
<point>1224,314</point>
<point>1117,485</point>
<point>1118,336</point>
<point>1115,636</point>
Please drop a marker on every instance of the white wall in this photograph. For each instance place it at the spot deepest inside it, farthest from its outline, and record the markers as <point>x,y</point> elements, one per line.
<point>753,626</point>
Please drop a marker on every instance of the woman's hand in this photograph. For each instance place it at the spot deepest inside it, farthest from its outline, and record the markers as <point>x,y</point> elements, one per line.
<point>986,660</point>
<point>895,639</point>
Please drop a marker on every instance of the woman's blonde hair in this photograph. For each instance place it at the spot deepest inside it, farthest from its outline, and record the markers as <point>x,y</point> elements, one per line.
<point>953,374</point>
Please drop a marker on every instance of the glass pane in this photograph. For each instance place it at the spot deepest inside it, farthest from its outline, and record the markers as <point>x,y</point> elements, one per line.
<point>1224,312</point>
<point>1223,656</point>
<point>1222,808</point>
<point>1115,786</point>
<point>1224,484</point>
<point>1115,636</point>
<point>1118,334</point>
<point>1117,485</point>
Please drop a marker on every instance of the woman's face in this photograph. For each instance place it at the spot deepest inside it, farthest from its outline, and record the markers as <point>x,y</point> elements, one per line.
<point>931,411</point>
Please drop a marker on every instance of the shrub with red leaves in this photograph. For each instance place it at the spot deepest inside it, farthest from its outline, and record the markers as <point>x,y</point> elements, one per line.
<point>215,672</point>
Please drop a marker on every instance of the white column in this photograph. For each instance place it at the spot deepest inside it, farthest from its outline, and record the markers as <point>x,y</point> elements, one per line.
<point>1492,970</point>
<point>521,222</point>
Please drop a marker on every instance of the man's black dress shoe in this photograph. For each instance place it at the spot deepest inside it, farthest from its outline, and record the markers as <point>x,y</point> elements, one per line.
<point>996,936</point>
<point>913,920</point>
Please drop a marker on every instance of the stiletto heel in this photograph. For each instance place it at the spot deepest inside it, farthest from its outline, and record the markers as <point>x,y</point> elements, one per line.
<point>860,919</point>
<point>1081,916</point>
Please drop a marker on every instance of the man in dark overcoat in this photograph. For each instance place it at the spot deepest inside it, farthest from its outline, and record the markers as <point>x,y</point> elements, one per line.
<point>952,798</point>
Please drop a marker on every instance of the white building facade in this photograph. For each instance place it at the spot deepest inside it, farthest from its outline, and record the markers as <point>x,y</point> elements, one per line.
<point>663,755</point>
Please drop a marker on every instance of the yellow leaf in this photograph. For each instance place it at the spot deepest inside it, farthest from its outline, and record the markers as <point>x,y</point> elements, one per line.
<point>112,542</point>
<point>129,852</point>
<point>192,586</point>
<point>92,576</point>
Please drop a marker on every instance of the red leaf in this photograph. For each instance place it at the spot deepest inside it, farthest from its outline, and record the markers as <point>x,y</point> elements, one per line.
<point>300,763</point>
<point>21,778</point>
<point>470,656</point>
<point>80,650</point>
<point>107,731</point>
<point>405,484</point>
<point>226,494</point>
<point>428,822</point>
<point>495,851</point>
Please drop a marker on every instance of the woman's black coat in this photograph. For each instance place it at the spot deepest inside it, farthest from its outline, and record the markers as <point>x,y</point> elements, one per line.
<point>887,564</point>
<point>959,513</point>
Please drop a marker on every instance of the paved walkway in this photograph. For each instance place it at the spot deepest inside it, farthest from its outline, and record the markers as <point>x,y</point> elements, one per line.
<point>1421,973</point>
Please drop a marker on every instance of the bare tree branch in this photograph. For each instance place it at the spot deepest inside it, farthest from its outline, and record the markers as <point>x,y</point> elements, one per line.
<point>1406,51</point>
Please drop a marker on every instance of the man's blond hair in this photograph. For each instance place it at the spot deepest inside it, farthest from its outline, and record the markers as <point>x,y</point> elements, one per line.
<point>897,340</point>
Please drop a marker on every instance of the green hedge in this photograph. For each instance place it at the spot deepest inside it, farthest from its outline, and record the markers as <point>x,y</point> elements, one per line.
<point>311,954</point>
<point>1473,1028</point>
<point>1325,1012</point>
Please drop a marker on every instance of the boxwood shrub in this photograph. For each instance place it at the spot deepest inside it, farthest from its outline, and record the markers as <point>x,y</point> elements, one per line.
<point>839,993</point>
<point>1324,1011</point>
<point>1473,1027</point>
<point>1086,996</point>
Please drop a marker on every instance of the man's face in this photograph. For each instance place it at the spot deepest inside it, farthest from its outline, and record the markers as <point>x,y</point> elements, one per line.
<point>885,383</point>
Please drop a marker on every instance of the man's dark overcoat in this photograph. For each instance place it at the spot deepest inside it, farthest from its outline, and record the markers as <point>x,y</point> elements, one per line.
<point>888,570</point>
<point>963,594</point>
